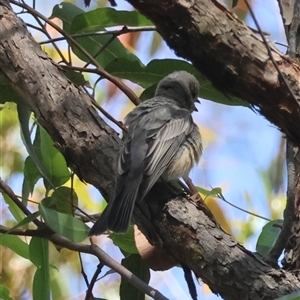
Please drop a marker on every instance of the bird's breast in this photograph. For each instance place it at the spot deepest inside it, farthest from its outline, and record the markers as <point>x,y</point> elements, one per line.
<point>186,157</point>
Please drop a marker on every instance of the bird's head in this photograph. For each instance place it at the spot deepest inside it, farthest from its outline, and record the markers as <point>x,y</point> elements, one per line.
<point>182,87</point>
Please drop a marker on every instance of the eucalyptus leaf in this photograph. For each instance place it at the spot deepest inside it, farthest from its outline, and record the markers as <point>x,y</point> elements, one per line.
<point>138,267</point>
<point>24,116</point>
<point>125,241</point>
<point>64,224</point>
<point>4,293</point>
<point>268,237</point>
<point>100,18</point>
<point>76,77</point>
<point>209,193</point>
<point>234,3</point>
<point>31,176</point>
<point>14,243</point>
<point>39,255</point>
<point>62,200</point>
<point>13,208</point>
<point>8,94</point>
<point>53,161</point>
<point>26,220</point>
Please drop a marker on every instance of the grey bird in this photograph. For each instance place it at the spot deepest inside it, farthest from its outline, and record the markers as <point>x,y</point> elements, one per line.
<point>162,140</point>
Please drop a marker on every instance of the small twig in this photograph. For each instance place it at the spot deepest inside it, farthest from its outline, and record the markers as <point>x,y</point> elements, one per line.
<point>105,113</point>
<point>94,87</point>
<point>89,294</point>
<point>35,27</point>
<point>79,69</point>
<point>40,232</point>
<point>82,270</point>
<point>221,196</point>
<point>9,192</point>
<point>124,30</point>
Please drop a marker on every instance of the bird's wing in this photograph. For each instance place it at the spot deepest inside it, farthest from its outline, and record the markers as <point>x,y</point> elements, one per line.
<point>163,143</point>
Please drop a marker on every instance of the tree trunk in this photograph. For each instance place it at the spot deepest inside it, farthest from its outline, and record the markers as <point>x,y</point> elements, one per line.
<point>217,43</point>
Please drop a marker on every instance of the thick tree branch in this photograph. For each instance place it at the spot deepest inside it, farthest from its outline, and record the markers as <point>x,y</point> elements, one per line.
<point>231,55</point>
<point>91,147</point>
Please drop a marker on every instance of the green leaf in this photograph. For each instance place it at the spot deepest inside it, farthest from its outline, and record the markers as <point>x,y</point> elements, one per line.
<point>268,237</point>
<point>136,72</point>
<point>52,160</point>
<point>31,176</point>
<point>38,251</point>
<point>26,220</point>
<point>14,243</point>
<point>76,77</point>
<point>4,293</point>
<point>8,94</point>
<point>24,116</point>
<point>113,49</point>
<point>66,12</point>
<point>215,192</point>
<point>234,3</point>
<point>159,68</point>
<point>100,18</point>
<point>292,296</point>
<point>13,208</point>
<point>63,224</point>
<point>61,200</point>
<point>148,93</point>
<point>138,267</point>
<point>125,241</point>
<point>39,256</point>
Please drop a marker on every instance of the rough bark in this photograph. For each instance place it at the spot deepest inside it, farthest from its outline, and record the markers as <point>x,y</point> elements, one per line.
<point>91,147</point>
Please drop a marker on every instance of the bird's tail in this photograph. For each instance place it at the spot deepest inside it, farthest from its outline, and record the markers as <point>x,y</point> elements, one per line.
<point>117,214</point>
